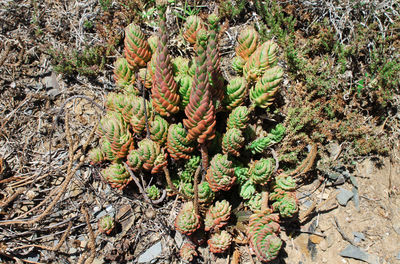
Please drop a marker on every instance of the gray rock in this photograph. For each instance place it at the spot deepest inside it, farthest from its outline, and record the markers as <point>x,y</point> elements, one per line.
<point>33,257</point>
<point>359,236</point>
<point>344,196</point>
<point>356,199</point>
<point>398,256</point>
<point>151,254</point>
<point>354,252</point>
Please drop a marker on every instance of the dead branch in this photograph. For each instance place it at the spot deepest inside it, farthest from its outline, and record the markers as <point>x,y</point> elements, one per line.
<point>92,244</point>
<point>54,248</point>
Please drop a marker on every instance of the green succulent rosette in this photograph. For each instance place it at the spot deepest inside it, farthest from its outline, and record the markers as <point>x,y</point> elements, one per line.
<point>232,142</point>
<point>261,171</point>
<point>255,202</point>
<point>152,156</point>
<point>185,87</point>
<point>263,230</point>
<point>106,224</point>
<point>123,75</point>
<point>263,58</point>
<point>153,192</point>
<point>217,215</point>
<point>286,183</point>
<point>187,222</point>
<point>153,43</point>
<point>238,118</point>
<point>238,64</point>
<point>113,127</point>
<point>247,42</point>
<point>219,242</point>
<point>242,174</point>
<point>116,175</point>
<point>262,94</point>
<point>287,206</point>
<point>159,130</point>
<point>133,160</point>
<point>191,27</point>
<point>96,155</point>
<point>220,175</point>
<point>247,190</point>
<point>190,168</point>
<point>236,93</point>
<point>178,146</point>
<point>137,50</point>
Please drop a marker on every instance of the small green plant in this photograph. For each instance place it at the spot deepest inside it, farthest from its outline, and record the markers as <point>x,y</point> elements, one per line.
<point>89,62</point>
<point>105,4</point>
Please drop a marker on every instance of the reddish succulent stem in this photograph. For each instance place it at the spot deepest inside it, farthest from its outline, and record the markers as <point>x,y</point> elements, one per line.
<point>264,201</point>
<point>204,156</point>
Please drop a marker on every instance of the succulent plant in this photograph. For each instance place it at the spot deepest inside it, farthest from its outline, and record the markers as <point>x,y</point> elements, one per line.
<point>220,174</point>
<point>242,174</point>
<point>287,206</point>
<point>236,92</point>
<point>133,160</point>
<point>185,87</point>
<point>115,130</point>
<point>247,42</point>
<point>165,90</point>
<point>255,202</point>
<point>213,59</point>
<point>153,192</point>
<point>247,190</point>
<point>219,242</point>
<point>178,146</point>
<point>286,183</point>
<point>116,175</point>
<point>105,147</point>
<point>261,171</point>
<point>187,222</point>
<point>180,66</point>
<point>217,215</point>
<point>153,43</point>
<point>96,155</point>
<point>238,64</point>
<point>232,141</point>
<point>206,195</point>
<point>196,86</point>
<point>238,118</point>
<point>263,58</point>
<point>137,50</point>
<point>190,168</point>
<point>159,130</point>
<point>263,230</point>
<point>152,156</point>
<point>145,78</point>
<point>124,77</point>
<point>188,252</point>
<point>200,111</point>
<point>106,224</point>
<point>265,89</point>
<point>137,115</point>
<point>191,27</point>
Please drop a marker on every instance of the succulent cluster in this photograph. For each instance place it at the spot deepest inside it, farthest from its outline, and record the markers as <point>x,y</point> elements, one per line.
<point>165,118</point>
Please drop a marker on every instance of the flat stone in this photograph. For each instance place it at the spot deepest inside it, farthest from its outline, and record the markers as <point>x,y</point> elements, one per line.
<point>344,196</point>
<point>356,198</point>
<point>354,252</point>
<point>151,254</point>
<point>358,236</point>
<point>398,256</point>
<point>323,245</point>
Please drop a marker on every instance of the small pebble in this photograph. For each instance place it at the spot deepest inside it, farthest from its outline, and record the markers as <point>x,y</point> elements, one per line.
<point>344,196</point>
<point>398,256</point>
